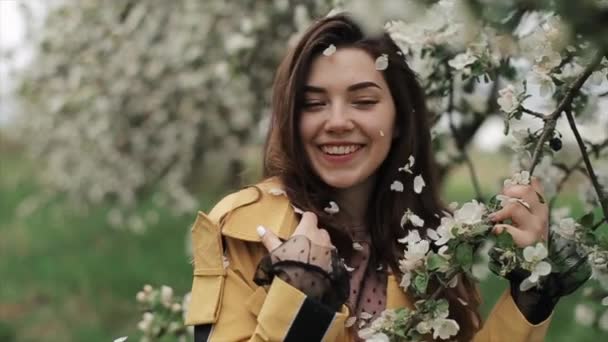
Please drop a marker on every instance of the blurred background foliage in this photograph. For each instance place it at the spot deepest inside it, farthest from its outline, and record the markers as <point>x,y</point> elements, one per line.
<point>131,116</point>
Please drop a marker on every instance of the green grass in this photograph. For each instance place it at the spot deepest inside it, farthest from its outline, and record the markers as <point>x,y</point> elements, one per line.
<point>66,275</point>
<point>69,276</point>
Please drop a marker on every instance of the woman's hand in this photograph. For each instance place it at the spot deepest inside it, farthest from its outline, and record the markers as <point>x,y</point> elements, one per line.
<point>307,227</point>
<point>528,224</point>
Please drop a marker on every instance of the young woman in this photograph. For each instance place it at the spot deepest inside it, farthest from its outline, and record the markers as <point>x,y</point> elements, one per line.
<point>304,253</point>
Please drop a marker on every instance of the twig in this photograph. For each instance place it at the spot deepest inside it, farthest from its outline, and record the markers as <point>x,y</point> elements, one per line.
<point>575,167</point>
<point>598,224</point>
<point>460,145</point>
<point>596,184</point>
<point>533,113</point>
<point>551,120</point>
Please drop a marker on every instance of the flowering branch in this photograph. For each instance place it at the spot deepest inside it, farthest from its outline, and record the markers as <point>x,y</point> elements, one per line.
<point>596,184</point>
<point>565,103</point>
<point>533,113</point>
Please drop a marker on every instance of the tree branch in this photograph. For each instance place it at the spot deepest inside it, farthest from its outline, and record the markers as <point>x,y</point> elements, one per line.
<point>564,104</point>
<point>533,113</point>
<point>596,184</point>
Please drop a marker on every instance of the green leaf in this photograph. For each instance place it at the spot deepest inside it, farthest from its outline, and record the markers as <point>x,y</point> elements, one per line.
<point>435,262</point>
<point>421,282</point>
<point>504,240</point>
<point>587,220</point>
<point>464,255</point>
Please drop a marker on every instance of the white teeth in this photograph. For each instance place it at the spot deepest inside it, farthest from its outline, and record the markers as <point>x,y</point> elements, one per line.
<point>339,149</point>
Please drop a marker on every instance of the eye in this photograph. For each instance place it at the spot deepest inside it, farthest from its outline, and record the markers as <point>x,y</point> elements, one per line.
<point>365,103</point>
<point>313,104</point>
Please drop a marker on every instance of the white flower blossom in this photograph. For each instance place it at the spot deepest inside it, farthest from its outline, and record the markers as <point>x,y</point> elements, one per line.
<point>397,186</point>
<point>121,339</point>
<point>333,208</point>
<point>382,62</point>
<point>444,231</point>
<point>460,61</point>
<point>166,295</point>
<point>535,255</point>
<point>507,99</point>
<point>470,213</point>
<point>444,328</point>
<point>522,178</point>
<point>418,184</point>
<point>357,246</point>
<point>414,255</point>
<point>605,301</point>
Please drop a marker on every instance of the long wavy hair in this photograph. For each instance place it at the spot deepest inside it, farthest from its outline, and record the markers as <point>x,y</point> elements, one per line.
<point>285,158</point>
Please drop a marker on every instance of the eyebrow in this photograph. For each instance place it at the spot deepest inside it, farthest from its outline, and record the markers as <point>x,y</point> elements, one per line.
<point>353,87</point>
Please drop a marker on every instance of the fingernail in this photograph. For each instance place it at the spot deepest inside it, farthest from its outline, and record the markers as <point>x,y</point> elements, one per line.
<point>492,216</point>
<point>261,231</point>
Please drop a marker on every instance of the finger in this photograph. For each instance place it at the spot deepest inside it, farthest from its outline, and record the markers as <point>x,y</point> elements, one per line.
<point>525,193</point>
<point>537,185</point>
<point>307,223</point>
<point>521,238</point>
<point>269,240</point>
<point>515,211</point>
<point>323,238</point>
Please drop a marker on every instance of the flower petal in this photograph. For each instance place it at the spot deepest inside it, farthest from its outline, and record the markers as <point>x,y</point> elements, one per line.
<point>330,50</point>
<point>418,184</point>
<point>382,62</point>
<point>397,186</point>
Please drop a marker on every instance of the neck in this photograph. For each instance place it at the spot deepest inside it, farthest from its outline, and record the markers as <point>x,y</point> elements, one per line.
<point>353,201</point>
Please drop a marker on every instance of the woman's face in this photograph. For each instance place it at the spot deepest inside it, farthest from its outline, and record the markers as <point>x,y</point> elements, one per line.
<point>347,121</point>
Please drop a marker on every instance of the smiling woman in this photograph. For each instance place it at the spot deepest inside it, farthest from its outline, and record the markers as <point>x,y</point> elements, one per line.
<point>311,253</point>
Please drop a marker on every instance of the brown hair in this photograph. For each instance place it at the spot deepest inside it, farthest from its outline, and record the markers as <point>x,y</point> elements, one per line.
<point>286,159</point>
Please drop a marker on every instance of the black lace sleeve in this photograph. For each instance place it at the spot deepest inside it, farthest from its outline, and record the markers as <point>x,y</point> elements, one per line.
<point>315,270</point>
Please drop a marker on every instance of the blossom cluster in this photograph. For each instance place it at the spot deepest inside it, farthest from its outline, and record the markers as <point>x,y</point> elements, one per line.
<point>163,314</point>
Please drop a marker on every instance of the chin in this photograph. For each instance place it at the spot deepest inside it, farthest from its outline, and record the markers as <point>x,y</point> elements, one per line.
<point>340,182</point>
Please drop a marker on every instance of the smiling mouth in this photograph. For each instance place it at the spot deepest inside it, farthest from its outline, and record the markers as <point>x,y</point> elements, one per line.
<point>340,150</point>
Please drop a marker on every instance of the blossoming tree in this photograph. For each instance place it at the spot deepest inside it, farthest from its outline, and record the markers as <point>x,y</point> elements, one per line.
<point>126,113</point>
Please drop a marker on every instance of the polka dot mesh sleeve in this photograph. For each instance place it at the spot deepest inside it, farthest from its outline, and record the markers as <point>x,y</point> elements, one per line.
<point>315,270</point>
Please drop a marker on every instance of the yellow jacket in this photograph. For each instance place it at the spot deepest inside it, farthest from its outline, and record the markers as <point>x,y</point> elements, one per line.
<point>227,305</point>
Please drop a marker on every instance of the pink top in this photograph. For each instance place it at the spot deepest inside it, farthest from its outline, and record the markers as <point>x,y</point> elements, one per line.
<point>367,282</point>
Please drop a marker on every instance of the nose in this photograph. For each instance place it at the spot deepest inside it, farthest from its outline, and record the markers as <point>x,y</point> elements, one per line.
<point>339,119</point>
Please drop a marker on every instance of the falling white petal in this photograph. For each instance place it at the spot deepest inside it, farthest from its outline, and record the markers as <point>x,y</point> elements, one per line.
<point>605,301</point>
<point>350,321</point>
<point>462,301</point>
<point>357,246</point>
<point>431,233</point>
<point>277,192</point>
<point>297,210</point>
<point>416,220</point>
<point>121,339</point>
<point>382,62</point>
<point>379,268</point>
<point>411,160</point>
<point>418,184</point>
<point>333,208</point>
<point>329,50</point>
<point>348,268</point>
<point>365,315</point>
<point>397,186</point>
